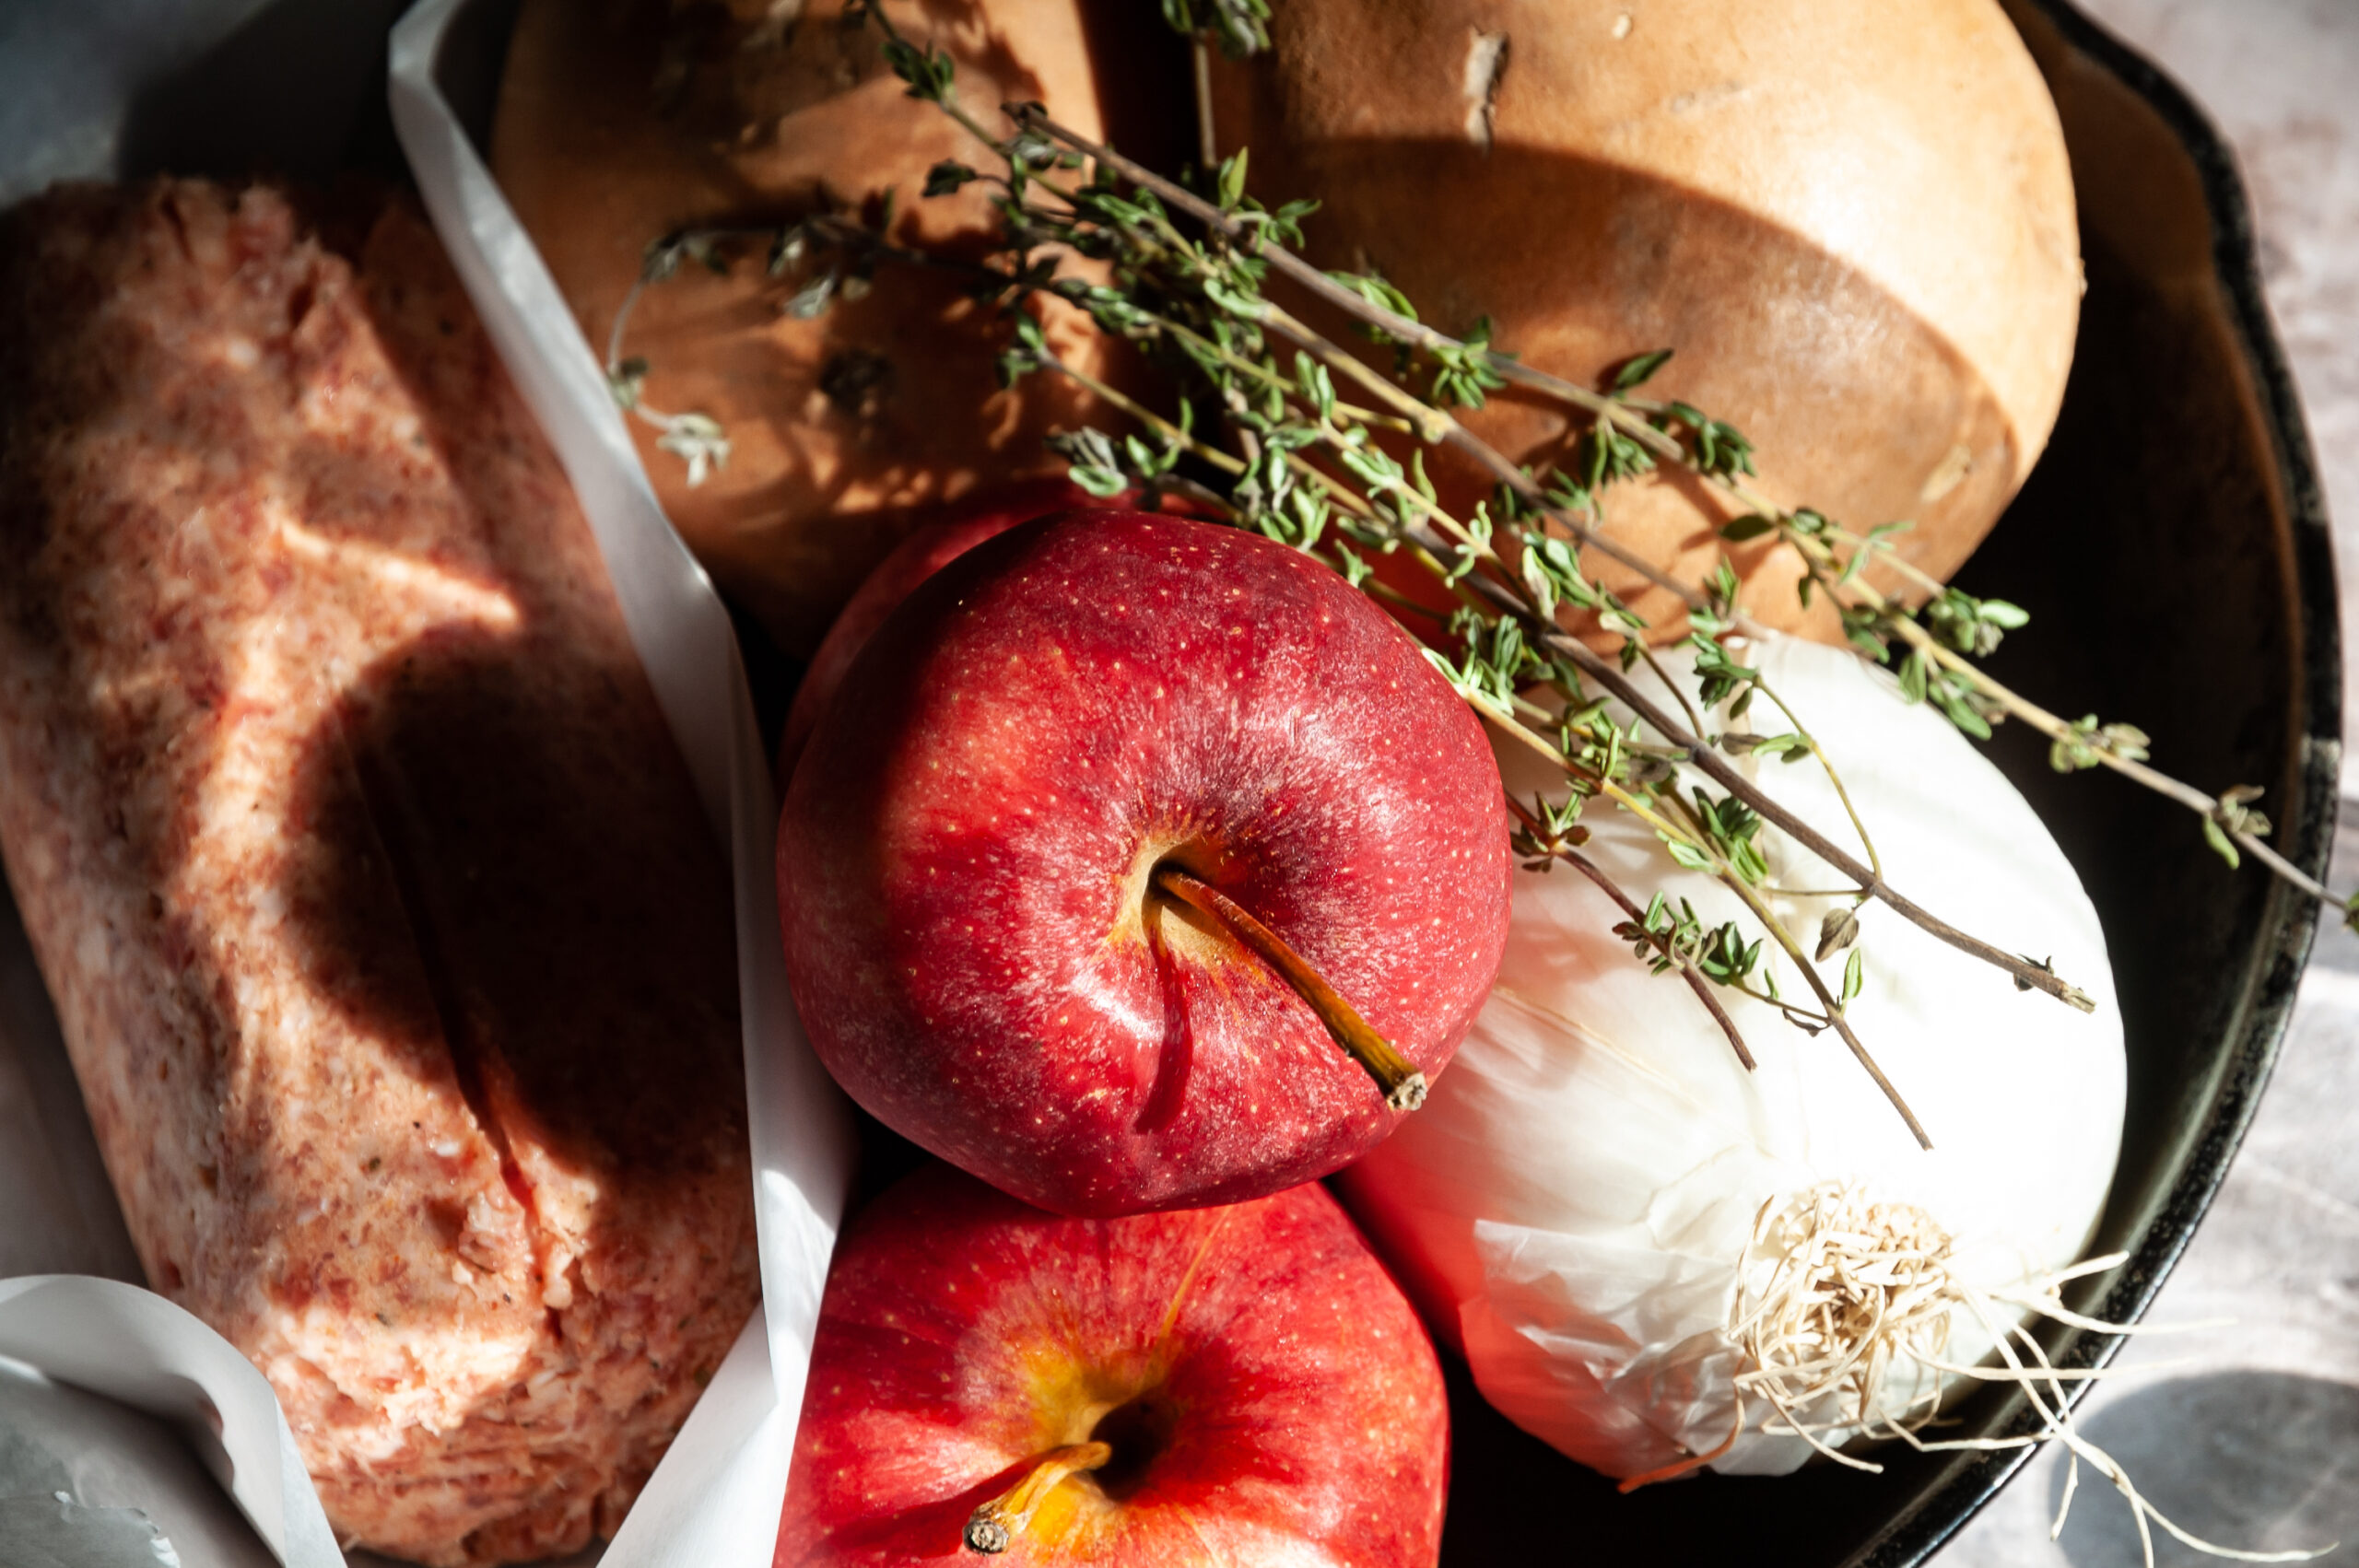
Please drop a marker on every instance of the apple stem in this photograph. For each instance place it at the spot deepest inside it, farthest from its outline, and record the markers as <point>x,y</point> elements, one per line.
<point>1402,1084</point>
<point>993,1527</point>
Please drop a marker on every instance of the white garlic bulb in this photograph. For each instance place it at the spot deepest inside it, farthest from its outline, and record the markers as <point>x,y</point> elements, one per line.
<point>1576,1204</point>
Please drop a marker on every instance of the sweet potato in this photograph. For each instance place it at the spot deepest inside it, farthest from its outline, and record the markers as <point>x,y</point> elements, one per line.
<point>1851,222</point>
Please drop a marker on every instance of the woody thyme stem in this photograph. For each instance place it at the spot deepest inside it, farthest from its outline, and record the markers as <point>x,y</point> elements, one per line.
<point>1629,419</point>
<point>1613,890</point>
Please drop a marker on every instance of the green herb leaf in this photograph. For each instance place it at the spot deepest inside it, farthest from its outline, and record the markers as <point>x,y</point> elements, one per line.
<point>626,380</point>
<point>1912,676</point>
<point>1687,855</point>
<point>948,176</point>
<point>2221,843</point>
<point>1838,931</point>
<point>1232,178</point>
<point>1636,371</point>
<point>697,438</point>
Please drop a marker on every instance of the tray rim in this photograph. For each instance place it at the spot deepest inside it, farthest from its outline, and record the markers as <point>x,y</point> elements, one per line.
<point>2287,931</point>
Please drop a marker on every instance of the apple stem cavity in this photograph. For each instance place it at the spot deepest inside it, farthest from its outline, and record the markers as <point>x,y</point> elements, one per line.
<point>1396,1076</point>
<point>992,1527</point>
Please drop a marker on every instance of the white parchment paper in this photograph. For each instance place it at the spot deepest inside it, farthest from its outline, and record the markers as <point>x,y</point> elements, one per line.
<point>92,1482</point>
<point>136,1348</point>
<point>714,1500</point>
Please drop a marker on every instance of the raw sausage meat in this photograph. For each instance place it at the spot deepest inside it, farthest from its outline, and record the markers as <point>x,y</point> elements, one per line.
<point>393,955</point>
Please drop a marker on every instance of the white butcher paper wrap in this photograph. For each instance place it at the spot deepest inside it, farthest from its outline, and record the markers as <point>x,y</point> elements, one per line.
<point>107,1338</point>
<point>714,1500</point>
<point>1572,1200</point>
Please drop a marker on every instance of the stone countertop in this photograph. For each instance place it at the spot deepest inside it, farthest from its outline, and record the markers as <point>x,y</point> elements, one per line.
<point>2248,1435</point>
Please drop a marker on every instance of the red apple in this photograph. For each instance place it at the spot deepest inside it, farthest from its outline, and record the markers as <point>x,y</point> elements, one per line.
<point>976,865</point>
<point>945,533</point>
<point>1262,1391</point>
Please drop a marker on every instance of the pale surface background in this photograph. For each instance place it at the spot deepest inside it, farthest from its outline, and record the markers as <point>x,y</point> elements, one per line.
<point>2251,1440</point>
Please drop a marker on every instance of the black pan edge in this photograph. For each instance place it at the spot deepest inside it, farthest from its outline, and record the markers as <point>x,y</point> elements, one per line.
<point>2281,948</point>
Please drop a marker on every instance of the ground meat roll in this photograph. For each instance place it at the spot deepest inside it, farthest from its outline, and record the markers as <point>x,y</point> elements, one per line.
<point>393,955</point>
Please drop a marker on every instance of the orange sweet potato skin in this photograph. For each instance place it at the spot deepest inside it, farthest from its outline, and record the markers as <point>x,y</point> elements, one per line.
<point>390,949</point>
<point>1852,223</point>
<point>623,121</point>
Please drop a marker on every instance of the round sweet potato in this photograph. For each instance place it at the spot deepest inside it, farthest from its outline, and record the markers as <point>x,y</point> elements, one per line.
<point>1851,222</point>
<point>622,120</point>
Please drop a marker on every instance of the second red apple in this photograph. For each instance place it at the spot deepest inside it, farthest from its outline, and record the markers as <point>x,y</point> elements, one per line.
<point>1243,1387</point>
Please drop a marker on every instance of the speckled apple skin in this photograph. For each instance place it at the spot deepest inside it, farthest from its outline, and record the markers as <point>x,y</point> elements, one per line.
<point>964,1333</point>
<point>963,852</point>
<point>945,533</point>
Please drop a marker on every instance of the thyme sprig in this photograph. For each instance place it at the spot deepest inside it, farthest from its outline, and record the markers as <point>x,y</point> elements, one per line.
<point>1306,468</point>
<point>1288,444</point>
<point>1546,832</point>
<point>1629,436</point>
<point>1620,444</point>
<point>1239,27</point>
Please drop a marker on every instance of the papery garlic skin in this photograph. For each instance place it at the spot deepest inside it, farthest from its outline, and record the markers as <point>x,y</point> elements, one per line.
<point>1570,1205</point>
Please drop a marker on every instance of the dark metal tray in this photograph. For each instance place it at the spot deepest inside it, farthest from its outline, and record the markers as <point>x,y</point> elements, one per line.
<point>2172,546</point>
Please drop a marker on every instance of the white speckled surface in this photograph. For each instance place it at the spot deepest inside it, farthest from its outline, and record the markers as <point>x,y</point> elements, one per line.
<point>2251,1437</point>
